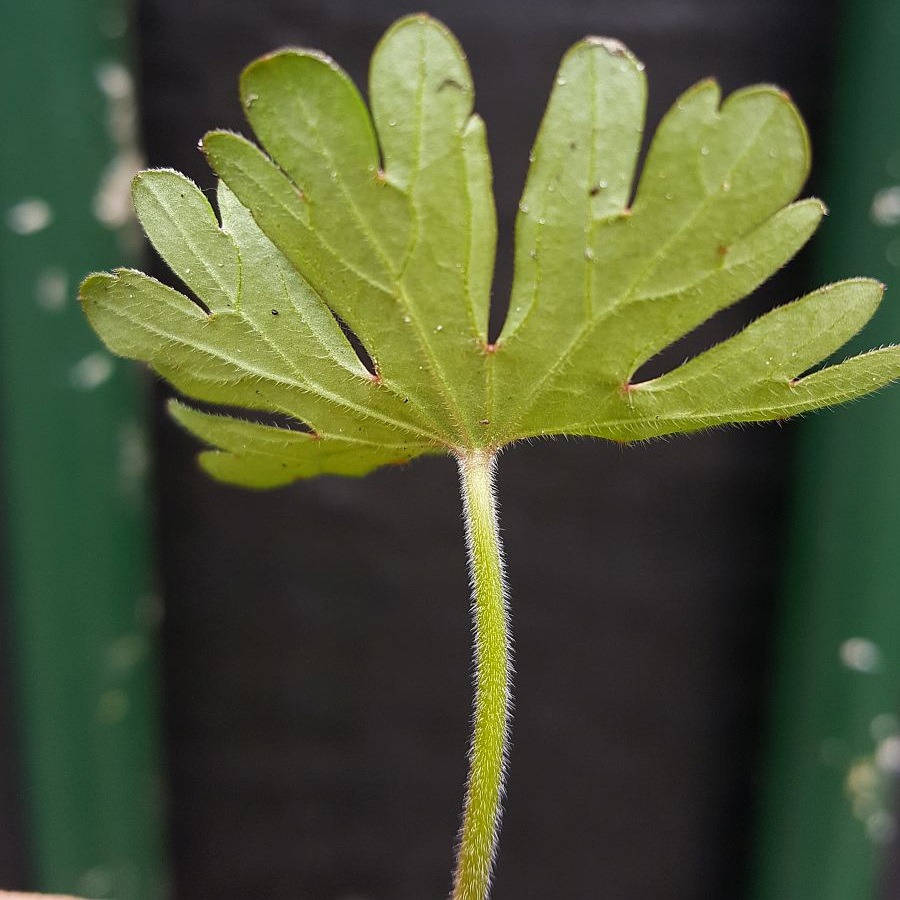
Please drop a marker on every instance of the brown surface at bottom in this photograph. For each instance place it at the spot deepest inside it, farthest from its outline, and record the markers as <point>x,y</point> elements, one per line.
<point>14,896</point>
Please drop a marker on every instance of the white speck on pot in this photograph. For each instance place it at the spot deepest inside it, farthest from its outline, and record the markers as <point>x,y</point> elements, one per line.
<point>881,827</point>
<point>860,654</point>
<point>887,756</point>
<point>134,461</point>
<point>29,216</point>
<point>114,80</point>
<point>884,726</point>
<point>51,289</point>
<point>125,652</point>
<point>885,208</point>
<point>892,252</point>
<point>112,199</point>
<point>91,371</point>
<point>96,882</point>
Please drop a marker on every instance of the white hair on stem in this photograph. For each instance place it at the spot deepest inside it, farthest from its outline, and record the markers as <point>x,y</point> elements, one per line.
<point>482,810</point>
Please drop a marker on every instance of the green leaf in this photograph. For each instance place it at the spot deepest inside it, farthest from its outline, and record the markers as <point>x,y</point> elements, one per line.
<point>400,246</point>
<point>275,348</point>
<point>260,455</point>
<point>379,228</point>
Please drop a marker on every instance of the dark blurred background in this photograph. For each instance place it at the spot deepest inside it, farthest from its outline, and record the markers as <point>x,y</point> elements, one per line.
<point>314,654</point>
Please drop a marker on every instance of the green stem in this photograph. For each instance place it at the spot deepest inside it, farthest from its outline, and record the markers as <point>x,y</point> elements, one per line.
<point>487,754</point>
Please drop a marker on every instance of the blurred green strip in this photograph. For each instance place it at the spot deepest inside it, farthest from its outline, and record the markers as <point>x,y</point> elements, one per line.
<point>73,458</point>
<point>827,809</point>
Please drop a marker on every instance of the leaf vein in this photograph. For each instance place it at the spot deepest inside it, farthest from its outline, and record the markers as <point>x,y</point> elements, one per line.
<point>587,328</point>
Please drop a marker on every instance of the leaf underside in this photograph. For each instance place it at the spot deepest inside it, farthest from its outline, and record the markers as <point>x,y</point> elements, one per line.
<point>380,224</point>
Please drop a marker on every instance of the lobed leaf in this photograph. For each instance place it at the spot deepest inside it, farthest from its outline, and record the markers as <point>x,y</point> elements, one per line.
<point>400,247</point>
<point>379,228</point>
<point>273,346</point>
<point>257,455</point>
